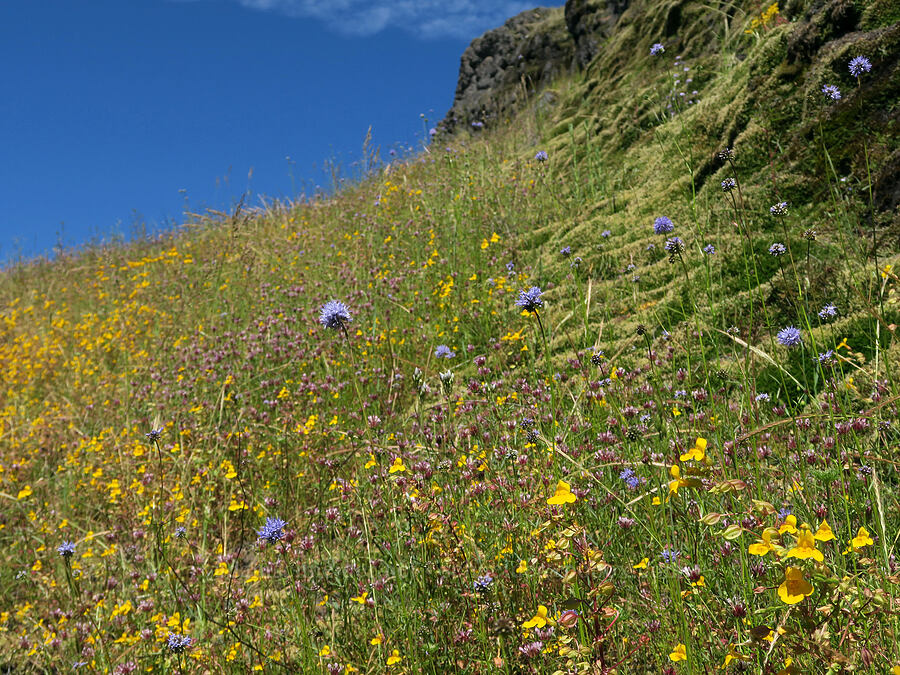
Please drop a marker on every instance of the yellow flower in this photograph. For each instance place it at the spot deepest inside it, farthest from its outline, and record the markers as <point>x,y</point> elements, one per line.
<point>394,657</point>
<point>806,547</point>
<point>325,651</point>
<point>679,653</point>
<point>861,539</point>
<point>675,472</point>
<point>371,462</point>
<point>25,492</point>
<point>397,466</point>
<point>789,525</point>
<point>697,453</point>
<point>734,654</point>
<point>361,599</point>
<point>795,587</point>
<point>377,640</point>
<point>886,271</point>
<point>523,566</point>
<point>563,494</point>
<point>824,532</point>
<point>539,620</point>
<point>764,545</point>
<point>641,565</point>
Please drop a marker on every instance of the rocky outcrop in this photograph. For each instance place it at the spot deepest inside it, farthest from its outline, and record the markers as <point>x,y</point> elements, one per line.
<point>500,69</point>
<point>505,66</point>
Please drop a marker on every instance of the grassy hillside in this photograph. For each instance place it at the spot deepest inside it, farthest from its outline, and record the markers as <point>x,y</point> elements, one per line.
<point>679,455</point>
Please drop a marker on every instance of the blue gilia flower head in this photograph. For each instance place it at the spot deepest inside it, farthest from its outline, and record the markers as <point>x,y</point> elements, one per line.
<point>444,352</point>
<point>606,234</point>
<point>827,312</point>
<point>762,398</point>
<point>154,434</point>
<point>859,65</point>
<point>669,555</point>
<point>483,583</point>
<point>777,249</point>
<point>566,251</point>
<point>663,225</point>
<point>779,209</point>
<point>656,49</point>
<point>273,530</point>
<point>335,315</point>
<point>831,92</point>
<point>729,184</point>
<point>541,156</point>
<point>674,245</point>
<point>178,643</point>
<point>66,549</point>
<point>477,125</point>
<point>530,300</point>
<point>709,249</point>
<point>789,337</point>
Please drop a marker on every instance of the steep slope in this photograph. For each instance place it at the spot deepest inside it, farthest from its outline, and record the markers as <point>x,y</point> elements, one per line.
<point>612,387</point>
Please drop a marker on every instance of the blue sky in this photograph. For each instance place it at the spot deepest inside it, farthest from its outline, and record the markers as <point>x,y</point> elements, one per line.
<point>115,112</point>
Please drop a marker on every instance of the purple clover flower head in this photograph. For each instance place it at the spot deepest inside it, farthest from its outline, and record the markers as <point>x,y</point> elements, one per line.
<point>663,225</point>
<point>178,643</point>
<point>777,249</point>
<point>779,209</point>
<point>273,530</point>
<point>829,311</point>
<point>541,156</point>
<point>335,315</point>
<point>831,92</point>
<point>789,337</point>
<point>66,549</point>
<point>669,555</point>
<point>859,65</point>
<point>530,300</point>
<point>657,49</point>
<point>566,251</point>
<point>709,249</point>
<point>444,352</point>
<point>729,184</point>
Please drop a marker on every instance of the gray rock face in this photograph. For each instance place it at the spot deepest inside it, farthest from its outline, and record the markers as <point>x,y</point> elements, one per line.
<point>501,69</point>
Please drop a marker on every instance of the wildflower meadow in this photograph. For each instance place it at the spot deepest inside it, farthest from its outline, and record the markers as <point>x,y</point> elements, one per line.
<point>610,387</point>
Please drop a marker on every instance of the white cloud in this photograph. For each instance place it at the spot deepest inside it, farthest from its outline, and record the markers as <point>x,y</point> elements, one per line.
<point>425,18</point>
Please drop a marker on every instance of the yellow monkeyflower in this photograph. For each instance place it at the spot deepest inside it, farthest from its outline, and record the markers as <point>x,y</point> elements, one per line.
<point>764,545</point>
<point>824,532</point>
<point>789,524</point>
<point>325,651</point>
<point>394,657</point>
<point>397,466</point>
<point>795,586</point>
<point>371,462</point>
<point>361,598</point>
<point>522,568</point>
<point>734,654</point>
<point>641,565</point>
<point>697,453</point>
<point>539,620</point>
<point>679,653</point>
<point>563,494</point>
<point>25,492</point>
<point>806,547</point>
<point>861,539</point>
<point>377,640</point>
<point>675,472</point>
